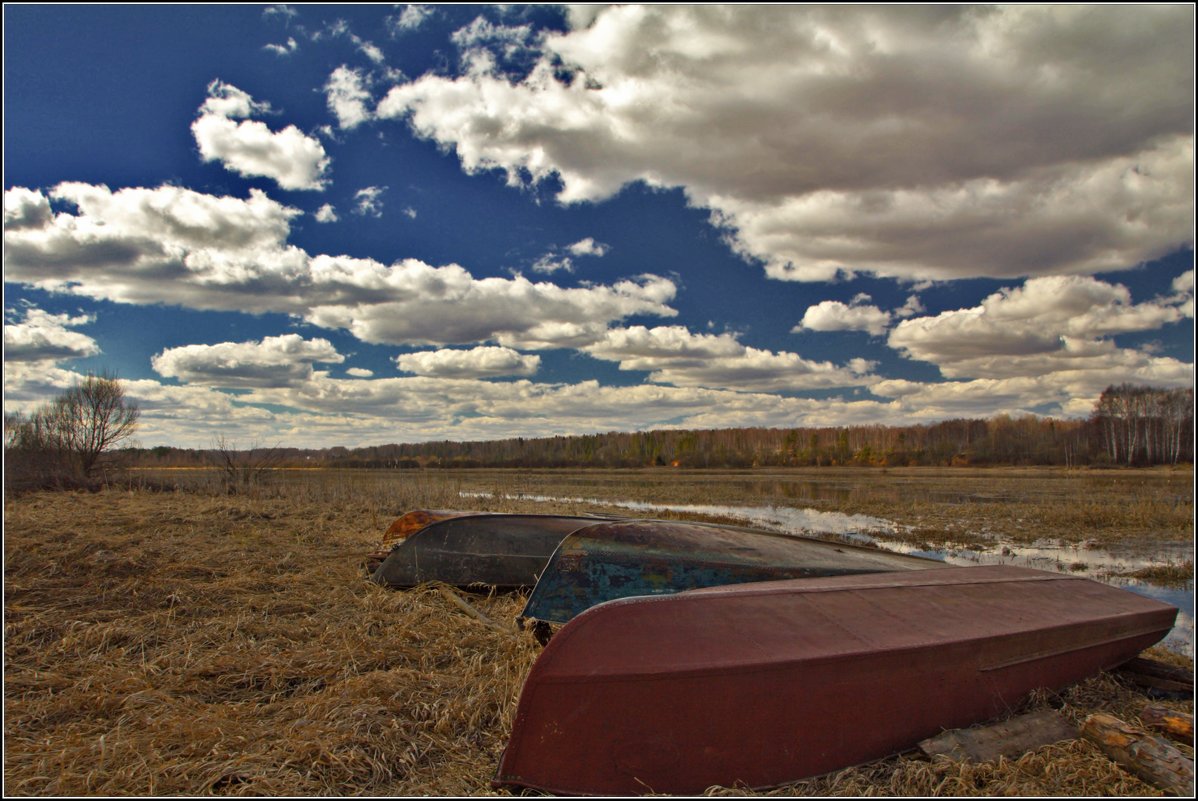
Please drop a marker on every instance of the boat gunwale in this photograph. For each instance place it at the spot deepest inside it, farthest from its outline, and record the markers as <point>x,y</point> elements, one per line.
<point>765,667</point>
<point>570,630</point>
<point>778,535</point>
<point>414,542</point>
<point>587,523</point>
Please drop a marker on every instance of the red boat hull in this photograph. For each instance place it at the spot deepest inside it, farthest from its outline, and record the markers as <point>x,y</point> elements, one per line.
<point>762,684</point>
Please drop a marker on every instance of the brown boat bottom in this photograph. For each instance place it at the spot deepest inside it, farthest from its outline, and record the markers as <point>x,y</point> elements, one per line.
<point>916,713</point>
<point>759,700</point>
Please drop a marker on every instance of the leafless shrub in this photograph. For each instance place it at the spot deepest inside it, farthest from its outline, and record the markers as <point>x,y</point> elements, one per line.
<point>70,441</point>
<point>243,471</point>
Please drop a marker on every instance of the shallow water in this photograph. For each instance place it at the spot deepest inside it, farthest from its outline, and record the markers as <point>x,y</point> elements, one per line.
<point>1099,563</point>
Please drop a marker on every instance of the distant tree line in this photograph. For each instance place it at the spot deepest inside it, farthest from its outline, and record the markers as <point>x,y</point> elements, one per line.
<point>1131,425</point>
<point>1141,425</point>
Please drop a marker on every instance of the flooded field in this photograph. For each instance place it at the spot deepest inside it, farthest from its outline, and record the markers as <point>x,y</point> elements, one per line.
<point>1130,528</point>
<point>1048,520</point>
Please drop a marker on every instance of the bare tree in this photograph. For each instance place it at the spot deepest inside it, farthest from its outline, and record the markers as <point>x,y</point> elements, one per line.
<point>92,418</point>
<point>65,440</point>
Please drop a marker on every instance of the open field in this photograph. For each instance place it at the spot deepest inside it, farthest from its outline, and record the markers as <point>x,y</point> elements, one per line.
<point>185,642</point>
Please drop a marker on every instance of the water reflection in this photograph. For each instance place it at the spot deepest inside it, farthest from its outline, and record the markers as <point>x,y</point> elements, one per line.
<point>1181,639</point>
<point>1100,563</point>
<point>780,518</point>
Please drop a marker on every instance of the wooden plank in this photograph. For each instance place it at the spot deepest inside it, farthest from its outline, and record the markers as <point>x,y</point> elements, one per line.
<point>1010,738</point>
<point>1152,759</point>
<point>1157,679</point>
<point>460,603</point>
<point>1157,687</point>
<point>1143,668</point>
<point>1175,724</point>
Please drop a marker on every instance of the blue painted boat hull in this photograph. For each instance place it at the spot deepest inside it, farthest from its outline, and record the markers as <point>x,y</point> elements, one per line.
<point>622,559</point>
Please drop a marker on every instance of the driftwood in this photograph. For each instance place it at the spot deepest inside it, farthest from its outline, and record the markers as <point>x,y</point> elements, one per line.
<point>1175,724</point>
<point>1154,760</point>
<point>461,603</point>
<point>1010,738</point>
<point>1159,678</point>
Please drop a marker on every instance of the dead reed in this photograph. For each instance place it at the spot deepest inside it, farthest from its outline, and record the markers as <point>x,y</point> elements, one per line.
<point>1170,575</point>
<point>939,504</point>
<point>188,643</point>
<point>177,644</point>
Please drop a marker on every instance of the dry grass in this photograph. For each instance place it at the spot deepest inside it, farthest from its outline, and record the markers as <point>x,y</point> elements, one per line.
<point>179,643</point>
<point>936,504</point>
<point>958,505</point>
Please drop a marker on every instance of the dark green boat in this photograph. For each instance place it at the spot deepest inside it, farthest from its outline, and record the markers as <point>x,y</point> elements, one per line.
<point>497,550</point>
<point>625,558</point>
<point>576,562</point>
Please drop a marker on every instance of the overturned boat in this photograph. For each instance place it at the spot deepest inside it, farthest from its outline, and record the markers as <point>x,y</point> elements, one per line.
<point>465,549</point>
<point>403,527</point>
<point>624,558</point>
<point>761,684</point>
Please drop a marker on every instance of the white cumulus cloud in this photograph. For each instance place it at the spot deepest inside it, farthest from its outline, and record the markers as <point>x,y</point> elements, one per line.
<point>26,208</point>
<point>271,362</point>
<point>588,247</point>
<point>347,97</point>
<point>412,17</point>
<point>933,142</point>
<point>480,362</point>
<point>419,304</point>
<point>249,148</point>
<point>175,246</point>
<point>1052,324</point>
<point>832,315</point>
<point>369,201</point>
<point>675,355</point>
<point>38,336</point>
<point>283,49</point>
<point>562,259</point>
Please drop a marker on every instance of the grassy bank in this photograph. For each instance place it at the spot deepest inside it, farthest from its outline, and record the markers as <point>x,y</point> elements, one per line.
<point>189,643</point>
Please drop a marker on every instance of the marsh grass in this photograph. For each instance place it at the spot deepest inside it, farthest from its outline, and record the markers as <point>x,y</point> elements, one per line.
<point>929,504</point>
<point>186,642</point>
<point>1170,575</point>
<point>958,505</point>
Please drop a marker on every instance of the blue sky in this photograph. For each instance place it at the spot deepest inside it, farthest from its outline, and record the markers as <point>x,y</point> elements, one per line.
<point>347,225</point>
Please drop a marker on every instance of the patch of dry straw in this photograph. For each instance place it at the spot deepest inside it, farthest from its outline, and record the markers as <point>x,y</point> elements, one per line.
<point>177,643</point>
<point>174,644</point>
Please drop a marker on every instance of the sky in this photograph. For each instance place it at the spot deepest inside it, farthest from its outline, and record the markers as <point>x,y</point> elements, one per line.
<point>320,225</point>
